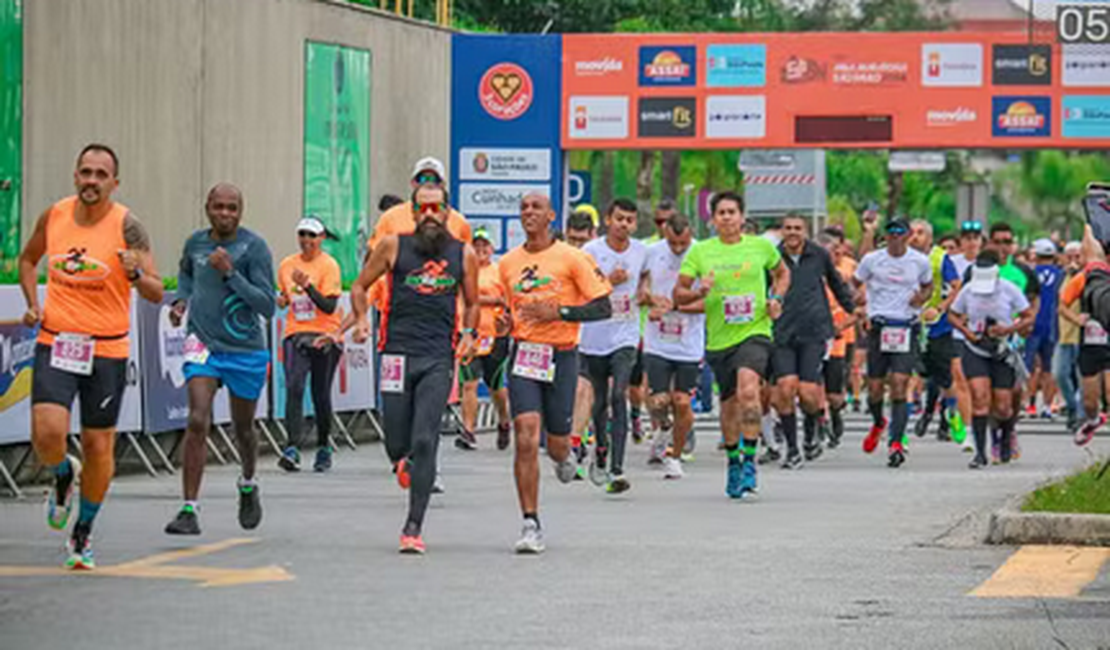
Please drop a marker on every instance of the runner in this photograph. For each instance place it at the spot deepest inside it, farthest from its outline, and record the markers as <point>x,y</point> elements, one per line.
<point>1041,344</point>
<point>1066,361</point>
<point>492,352</point>
<point>898,280</point>
<point>984,312</point>
<point>841,349</point>
<point>552,287</point>
<point>226,283</point>
<point>426,273</point>
<point>1094,360</point>
<point>802,334</point>
<point>309,284</point>
<point>940,347</point>
<point>96,250</point>
<point>732,269</point>
<point>674,342</point>
<point>581,230</point>
<point>609,348</point>
<point>971,243</point>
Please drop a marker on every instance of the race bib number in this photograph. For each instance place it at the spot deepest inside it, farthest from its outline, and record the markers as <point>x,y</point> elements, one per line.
<point>303,308</point>
<point>670,328</point>
<point>1094,334</point>
<point>72,353</point>
<point>535,361</point>
<point>739,309</point>
<point>485,345</point>
<point>195,351</point>
<point>894,340</point>
<point>622,306</point>
<point>393,373</point>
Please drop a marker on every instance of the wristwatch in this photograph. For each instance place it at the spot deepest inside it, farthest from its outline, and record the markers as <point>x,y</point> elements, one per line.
<point>135,275</point>
<point>564,312</point>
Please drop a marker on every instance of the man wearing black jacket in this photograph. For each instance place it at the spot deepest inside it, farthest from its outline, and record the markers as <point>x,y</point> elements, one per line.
<point>802,335</point>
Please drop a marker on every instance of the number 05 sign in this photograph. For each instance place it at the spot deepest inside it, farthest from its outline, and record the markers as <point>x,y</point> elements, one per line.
<point>1086,23</point>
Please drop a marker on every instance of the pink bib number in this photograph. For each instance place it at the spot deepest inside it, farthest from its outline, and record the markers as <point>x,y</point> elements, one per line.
<point>303,309</point>
<point>195,351</point>
<point>72,353</point>
<point>670,328</point>
<point>622,306</point>
<point>535,361</point>
<point>1094,334</point>
<point>393,373</point>
<point>895,340</point>
<point>739,309</point>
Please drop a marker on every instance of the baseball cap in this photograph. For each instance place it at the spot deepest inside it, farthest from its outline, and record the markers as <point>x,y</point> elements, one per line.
<point>984,277</point>
<point>1044,248</point>
<point>590,210</point>
<point>311,224</point>
<point>429,164</point>
<point>897,226</point>
<point>1073,247</point>
<point>481,233</point>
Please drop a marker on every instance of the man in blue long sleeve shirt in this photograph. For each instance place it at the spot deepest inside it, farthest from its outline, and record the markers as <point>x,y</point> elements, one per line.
<point>226,281</point>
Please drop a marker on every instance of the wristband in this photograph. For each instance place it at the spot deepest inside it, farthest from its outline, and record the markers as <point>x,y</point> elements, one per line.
<point>135,276</point>
<point>775,297</point>
<point>469,330</point>
<point>564,312</point>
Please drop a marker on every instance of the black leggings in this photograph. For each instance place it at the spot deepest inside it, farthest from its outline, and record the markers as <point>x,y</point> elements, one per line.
<point>412,420</point>
<point>301,358</point>
<point>618,366</point>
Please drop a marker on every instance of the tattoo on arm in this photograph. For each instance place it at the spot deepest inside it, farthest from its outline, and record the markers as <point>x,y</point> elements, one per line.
<point>135,234</point>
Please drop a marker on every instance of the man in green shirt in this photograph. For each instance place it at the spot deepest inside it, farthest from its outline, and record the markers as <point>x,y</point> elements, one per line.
<point>732,272</point>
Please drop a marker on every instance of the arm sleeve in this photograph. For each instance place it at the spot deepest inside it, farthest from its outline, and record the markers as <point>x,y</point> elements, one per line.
<point>257,287</point>
<point>326,304</point>
<point>185,274</point>
<point>839,288</point>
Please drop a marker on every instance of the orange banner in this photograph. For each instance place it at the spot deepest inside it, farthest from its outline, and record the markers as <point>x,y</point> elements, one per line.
<point>832,90</point>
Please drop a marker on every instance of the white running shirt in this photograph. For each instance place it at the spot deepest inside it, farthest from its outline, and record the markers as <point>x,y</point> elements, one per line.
<point>677,336</point>
<point>602,338</point>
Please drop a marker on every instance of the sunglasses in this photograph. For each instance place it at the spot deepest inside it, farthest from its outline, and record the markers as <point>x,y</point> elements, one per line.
<point>305,233</point>
<point>1003,242</point>
<point>429,208</point>
<point>427,177</point>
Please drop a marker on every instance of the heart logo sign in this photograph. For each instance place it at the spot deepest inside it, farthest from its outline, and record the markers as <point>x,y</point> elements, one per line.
<point>506,91</point>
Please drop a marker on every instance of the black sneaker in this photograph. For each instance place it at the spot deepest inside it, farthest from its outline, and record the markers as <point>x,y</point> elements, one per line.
<point>466,440</point>
<point>769,456</point>
<point>503,436</point>
<point>185,523</point>
<point>813,452</point>
<point>944,433</point>
<point>896,458</point>
<point>250,507</point>
<point>323,459</point>
<point>290,460</point>
<point>793,461</point>
<point>921,427</point>
<point>978,462</point>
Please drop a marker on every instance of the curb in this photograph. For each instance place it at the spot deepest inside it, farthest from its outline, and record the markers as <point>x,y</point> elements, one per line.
<point>1011,526</point>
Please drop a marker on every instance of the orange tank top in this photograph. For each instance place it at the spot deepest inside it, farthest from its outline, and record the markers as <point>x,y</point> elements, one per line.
<point>87,291</point>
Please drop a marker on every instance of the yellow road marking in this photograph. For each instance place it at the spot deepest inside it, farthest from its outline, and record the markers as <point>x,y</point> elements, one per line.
<point>1045,572</point>
<point>156,567</point>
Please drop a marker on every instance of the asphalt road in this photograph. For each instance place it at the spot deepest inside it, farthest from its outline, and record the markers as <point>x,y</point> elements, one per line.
<point>843,554</point>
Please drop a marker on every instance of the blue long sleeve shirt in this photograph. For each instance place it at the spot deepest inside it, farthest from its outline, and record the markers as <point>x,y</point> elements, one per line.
<point>228,313</point>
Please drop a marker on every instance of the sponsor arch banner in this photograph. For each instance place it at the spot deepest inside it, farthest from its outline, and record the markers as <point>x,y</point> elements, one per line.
<point>838,90</point>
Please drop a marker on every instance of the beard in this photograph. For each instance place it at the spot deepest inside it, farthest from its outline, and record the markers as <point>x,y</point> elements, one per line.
<point>430,237</point>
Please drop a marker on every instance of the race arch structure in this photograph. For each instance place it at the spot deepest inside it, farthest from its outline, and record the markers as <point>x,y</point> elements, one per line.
<point>519,102</point>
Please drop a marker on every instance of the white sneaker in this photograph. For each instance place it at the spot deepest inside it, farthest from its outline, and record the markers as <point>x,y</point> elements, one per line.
<point>437,486</point>
<point>969,445</point>
<point>566,470</point>
<point>672,468</point>
<point>531,539</point>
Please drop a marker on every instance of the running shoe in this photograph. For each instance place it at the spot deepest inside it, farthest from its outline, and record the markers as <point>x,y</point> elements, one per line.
<point>748,479</point>
<point>503,431</point>
<point>672,468</point>
<point>824,430</point>
<point>770,455</point>
<point>185,523</point>
<point>996,447</point>
<point>659,446</point>
<point>855,407</point>
<point>979,462</point>
<point>412,545</point>
<point>466,440</point>
<point>1086,433</point>
<point>871,442</point>
<point>598,475</point>
<point>437,485</point>
<point>637,431</point>
<point>80,549</point>
<point>290,460</point>
<point>1031,410</point>
<point>897,455</point>
<point>957,427</point>
<point>1047,414</point>
<point>323,459</point>
<point>813,452</point>
<point>618,485</point>
<point>250,507</point>
<point>735,479</point>
<point>404,476</point>
<point>921,427</point>
<point>59,501</point>
<point>531,539</point>
<point>944,430</point>
<point>968,445</point>
<point>566,470</point>
<point>580,473</point>
<point>793,461</point>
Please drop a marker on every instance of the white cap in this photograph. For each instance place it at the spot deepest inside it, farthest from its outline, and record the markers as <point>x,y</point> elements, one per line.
<point>1073,247</point>
<point>312,225</point>
<point>1044,247</point>
<point>430,164</point>
<point>984,280</point>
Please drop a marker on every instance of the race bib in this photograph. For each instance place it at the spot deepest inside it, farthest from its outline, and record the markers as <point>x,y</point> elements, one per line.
<point>894,340</point>
<point>485,345</point>
<point>195,351</point>
<point>393,373</point>
<point>670,328</point>
<point>72,353</point>
<point>622,306</point>
<point>535,361</point>
<point>1094,334</point>
<point>739,309</point>
<point>303,308</point>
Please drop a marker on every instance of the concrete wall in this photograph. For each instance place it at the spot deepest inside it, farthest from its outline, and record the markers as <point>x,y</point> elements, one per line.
<point>191,92</point>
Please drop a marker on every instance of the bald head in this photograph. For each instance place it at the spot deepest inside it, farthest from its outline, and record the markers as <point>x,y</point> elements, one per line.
<point>225,209</point>
<point>534,197</point>
<point>536,214</point>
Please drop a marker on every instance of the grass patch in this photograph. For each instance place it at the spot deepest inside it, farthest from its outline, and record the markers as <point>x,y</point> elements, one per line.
<point>1082,493</point>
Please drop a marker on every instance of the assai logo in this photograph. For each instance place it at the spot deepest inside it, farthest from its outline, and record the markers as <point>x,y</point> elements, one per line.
<point>736,66</point>
<point>1022,65</point>
<point>668,117</point>
<point>668,66</point>
<point>1029,117</point>
<point>952,64</point>
<point>1086,116</point>
<point>948,117</point>
<point>598,67</point>
<point>506,91</point>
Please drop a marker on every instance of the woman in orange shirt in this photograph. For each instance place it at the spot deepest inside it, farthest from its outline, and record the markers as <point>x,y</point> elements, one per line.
<point>310,286</point>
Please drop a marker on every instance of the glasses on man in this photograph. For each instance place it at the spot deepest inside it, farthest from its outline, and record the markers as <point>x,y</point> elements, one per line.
<point>307,234</point>
<point>1003,242</point>
<point>429,208</point>
<point>423,178</point>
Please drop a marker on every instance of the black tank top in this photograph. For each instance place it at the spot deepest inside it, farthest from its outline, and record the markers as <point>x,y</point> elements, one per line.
<point>423,300</point>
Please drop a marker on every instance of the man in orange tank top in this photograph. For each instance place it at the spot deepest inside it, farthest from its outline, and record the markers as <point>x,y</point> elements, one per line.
<point>96,251</point>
